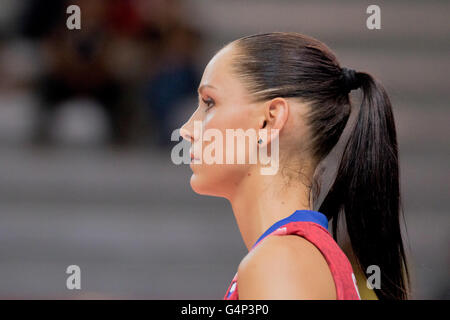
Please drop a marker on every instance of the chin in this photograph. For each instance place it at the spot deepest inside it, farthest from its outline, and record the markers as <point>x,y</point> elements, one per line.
<point>205,188</point>
<point>197,186</point>
<point>217,181</point>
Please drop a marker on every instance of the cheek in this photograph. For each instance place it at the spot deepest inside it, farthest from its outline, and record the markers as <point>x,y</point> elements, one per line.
<point>219,179</point>
<point>228,117</point>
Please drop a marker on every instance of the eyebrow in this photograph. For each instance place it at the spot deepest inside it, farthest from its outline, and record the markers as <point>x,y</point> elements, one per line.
<point>203,86</point>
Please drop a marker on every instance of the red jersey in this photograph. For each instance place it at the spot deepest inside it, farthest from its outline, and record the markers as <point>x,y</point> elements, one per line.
<point>313,226</point>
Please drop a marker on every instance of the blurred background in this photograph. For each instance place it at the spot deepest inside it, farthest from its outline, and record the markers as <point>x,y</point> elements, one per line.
<point>86,115</point>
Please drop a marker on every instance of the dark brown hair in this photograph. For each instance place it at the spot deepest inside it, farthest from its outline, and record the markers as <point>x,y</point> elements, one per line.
<point>366,187</point>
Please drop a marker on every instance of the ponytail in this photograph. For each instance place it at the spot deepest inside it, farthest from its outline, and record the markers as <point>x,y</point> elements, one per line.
<point>288,64</point>
<point>367,190</point>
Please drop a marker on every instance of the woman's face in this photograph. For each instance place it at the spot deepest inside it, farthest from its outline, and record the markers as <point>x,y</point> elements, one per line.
<point>223,104</point>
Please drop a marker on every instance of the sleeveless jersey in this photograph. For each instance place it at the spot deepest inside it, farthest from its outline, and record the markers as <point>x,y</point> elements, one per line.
<point>313,226</point>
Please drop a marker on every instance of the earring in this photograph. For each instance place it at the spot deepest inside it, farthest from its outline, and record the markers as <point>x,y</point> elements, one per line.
<point>260,141</point>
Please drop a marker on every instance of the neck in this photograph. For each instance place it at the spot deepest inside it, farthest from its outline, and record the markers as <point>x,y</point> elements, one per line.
<point>261,200</point>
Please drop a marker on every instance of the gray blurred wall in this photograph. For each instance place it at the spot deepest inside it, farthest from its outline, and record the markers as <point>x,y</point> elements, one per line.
<point>128,217</point>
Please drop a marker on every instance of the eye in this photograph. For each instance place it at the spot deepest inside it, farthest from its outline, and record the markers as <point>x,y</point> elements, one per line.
<point>209,103</point>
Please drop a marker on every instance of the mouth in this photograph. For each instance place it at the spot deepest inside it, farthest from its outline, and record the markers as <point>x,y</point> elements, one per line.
<point>193,158</point>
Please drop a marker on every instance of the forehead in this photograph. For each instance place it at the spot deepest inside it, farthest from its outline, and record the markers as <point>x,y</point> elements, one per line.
<point>217,73</point>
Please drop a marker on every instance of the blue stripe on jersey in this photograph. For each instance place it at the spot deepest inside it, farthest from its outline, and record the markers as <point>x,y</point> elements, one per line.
<point>298,215</point>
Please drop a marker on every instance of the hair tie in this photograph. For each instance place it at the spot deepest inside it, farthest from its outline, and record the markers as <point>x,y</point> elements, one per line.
<point>349,80</point>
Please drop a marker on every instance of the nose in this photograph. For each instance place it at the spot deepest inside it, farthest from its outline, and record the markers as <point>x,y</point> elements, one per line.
<point>187,129</point>
<point>186,134</point>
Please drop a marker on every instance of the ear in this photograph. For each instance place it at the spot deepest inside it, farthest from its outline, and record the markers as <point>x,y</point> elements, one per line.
<point>276,112</point>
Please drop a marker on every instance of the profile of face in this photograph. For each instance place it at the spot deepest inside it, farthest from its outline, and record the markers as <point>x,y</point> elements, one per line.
<point>225,103</point>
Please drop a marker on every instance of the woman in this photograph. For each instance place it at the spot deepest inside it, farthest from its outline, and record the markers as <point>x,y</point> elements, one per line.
<point>293,86</point>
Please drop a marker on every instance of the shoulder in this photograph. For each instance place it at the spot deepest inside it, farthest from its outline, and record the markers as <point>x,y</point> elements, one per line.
<point>285,267</point>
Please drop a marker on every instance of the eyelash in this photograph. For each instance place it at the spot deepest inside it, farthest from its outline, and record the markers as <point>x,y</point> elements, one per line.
<point>207,103</point>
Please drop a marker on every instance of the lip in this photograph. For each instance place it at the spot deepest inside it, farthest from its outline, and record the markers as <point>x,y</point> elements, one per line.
<point>193,158</point>
<point>194,162</point>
